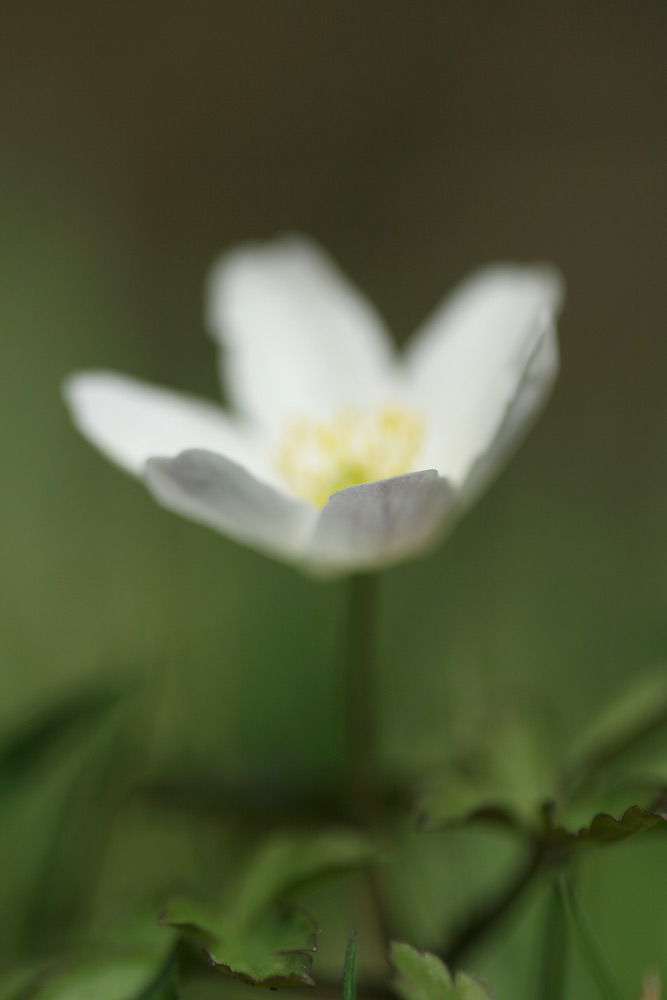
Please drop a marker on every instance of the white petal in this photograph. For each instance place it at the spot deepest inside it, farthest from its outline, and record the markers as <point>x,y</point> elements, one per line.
<point>130,420</point>
<point>210,489</point>
<point>468,363</point>
<point>297,337</point>
<point>369,526</point>
<point>531,394</point>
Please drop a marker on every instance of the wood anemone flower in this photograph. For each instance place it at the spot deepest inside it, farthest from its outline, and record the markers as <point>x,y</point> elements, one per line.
<point>338,455</point>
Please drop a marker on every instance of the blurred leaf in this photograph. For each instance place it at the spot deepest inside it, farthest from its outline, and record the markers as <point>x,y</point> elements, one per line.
<point>118,978</point>
<point>137,963</point>
<point>458,800</point>
<point>513,785</point>
<point>603,828</point>
<point>162,989</point>
<point>349,969</point>
<point>507,782</point>
<point>257,938</point>
<point>621,724</point>
<point>23,981</point>
<point>165,984</point>
<point>419,975</point>
<point>275,951</point>
<point>35,739</point>
<point>287,861</point>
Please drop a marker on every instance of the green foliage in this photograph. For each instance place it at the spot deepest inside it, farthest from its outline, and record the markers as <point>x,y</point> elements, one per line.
<point>128,975</point>
<point>165,983</point>
<point>506,780</point>
<point>419,975</point>
<point>554,948</point>
<point>509,781</point>
<point>275,950</point>
<point>620,725</point>
<point>285,862</point>
<point>596,961</point>
<point>603,828</point>
<point>256,936</point>
<point>349,969</point>
<point>111,979</point>
<point>37,738</point>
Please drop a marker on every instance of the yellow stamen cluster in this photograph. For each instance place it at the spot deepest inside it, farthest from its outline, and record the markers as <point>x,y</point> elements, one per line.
<point>317,458</point>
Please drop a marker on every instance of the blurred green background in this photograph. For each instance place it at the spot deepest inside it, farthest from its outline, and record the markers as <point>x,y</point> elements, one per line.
<point>416,142</point>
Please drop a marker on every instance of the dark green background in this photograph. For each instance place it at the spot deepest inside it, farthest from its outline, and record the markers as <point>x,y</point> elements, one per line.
<point>416,141</point>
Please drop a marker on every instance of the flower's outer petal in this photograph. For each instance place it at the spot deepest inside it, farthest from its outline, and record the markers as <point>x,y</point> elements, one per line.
<point>297,337</point>
<point>130,420</point>
<point>214,491</point>
<point>531,394</point>
<point>369,526</point>
<point>469,362</point>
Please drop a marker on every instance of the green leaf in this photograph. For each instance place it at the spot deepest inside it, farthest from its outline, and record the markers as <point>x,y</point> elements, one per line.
<point>603,828</point>
<point>36,738</point>
<point>165,983</point>
<point>619,726</point>
<point>275,950</point>
<point>286,862</point>
<point>136,962</point>
<point>507,781</point>
<point>255,937</point>
<point>349,969</point>
<point>107,978</point>
<point>419,975</point>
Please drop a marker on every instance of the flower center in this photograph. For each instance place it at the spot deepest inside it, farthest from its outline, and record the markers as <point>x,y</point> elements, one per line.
<point>317,458</point>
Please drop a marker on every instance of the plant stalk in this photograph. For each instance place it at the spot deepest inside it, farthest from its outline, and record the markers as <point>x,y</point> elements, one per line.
<point>364,781</point>
<point>485,920</point>
<point>360,725</point>
<point>598,967</point>
<point>554,949</point>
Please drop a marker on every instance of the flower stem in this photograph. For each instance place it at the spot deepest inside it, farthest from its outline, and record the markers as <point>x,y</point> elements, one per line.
<point>485,920</point>
<point>360,736</point>
<point>363,775</point>
<point>598,967</point>
<point>554,949</point>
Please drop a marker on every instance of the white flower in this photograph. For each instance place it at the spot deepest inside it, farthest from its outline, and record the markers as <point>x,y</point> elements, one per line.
<point>339,455</point>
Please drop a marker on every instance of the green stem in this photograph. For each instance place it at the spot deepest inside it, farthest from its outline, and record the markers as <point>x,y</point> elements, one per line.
<point>349,969</point>
<point>363,774</point>
<point>598,967</point>
<point>485,920</point>
<point>552,972</point>
<point>360,741</point>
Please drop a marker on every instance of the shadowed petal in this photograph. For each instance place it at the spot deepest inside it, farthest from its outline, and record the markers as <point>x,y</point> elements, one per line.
<point>214,491</point>
<point>297,337</point>
<point>373,524</point>
<point>130,420</point>
<point>469,362</point>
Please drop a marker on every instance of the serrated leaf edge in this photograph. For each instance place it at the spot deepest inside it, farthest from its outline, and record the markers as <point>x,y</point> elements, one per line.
<point>454,980</point>
<point>586,832</point>
<point>277,981</point>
